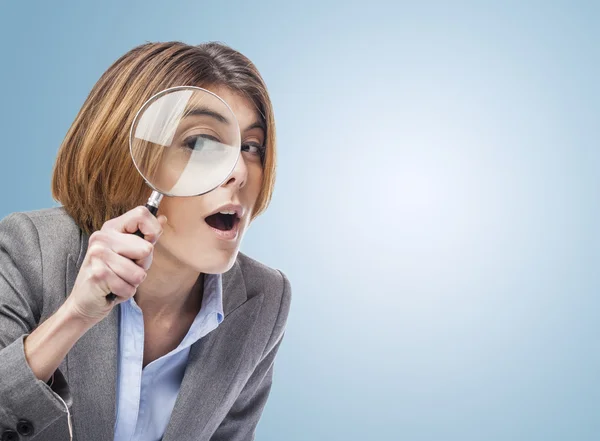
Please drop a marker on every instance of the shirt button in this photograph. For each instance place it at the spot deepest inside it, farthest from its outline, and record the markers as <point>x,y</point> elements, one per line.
<point>10,435</point>
<point>25,428</point>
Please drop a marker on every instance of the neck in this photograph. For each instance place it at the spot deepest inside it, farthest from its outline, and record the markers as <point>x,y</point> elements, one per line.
<point>171,288</point>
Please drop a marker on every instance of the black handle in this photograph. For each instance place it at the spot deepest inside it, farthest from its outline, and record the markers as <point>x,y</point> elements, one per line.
<point>110,297</point>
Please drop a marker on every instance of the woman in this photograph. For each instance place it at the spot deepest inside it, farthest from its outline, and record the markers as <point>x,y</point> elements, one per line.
<point>186,350</point>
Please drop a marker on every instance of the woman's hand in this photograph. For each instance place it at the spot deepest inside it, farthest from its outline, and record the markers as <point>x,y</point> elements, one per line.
<point>107,267</point>
<point>116,261</point>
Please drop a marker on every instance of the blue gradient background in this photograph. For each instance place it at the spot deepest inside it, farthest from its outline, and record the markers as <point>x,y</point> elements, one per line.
<point>436,206</point>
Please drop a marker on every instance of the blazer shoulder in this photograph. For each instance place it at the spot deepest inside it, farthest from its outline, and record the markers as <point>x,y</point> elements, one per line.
<point>51,230</point>
<point>55,217</point>
<point>259,276</point>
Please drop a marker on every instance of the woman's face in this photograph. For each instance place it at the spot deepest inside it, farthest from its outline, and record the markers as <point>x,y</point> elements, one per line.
<point>188,238</point>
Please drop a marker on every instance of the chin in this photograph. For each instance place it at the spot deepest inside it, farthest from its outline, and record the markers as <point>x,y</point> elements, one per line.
<point>203,253</point>
<point>217,262</point>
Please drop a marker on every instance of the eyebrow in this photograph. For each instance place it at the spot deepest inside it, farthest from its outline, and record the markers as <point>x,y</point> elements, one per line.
<point>203,111</point>
<point>257,125</point>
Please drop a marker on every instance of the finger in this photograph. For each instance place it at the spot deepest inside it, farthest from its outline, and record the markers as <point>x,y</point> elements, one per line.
<point>146,262</point>
<point>110,282</point>
<point>141,219</point>
<point>126,269</point>
<point>130,246</point>
<point>162,220</point>
<point>120,287</point>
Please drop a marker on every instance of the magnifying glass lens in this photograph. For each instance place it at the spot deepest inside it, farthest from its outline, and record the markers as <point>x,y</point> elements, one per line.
<point>185,141</point>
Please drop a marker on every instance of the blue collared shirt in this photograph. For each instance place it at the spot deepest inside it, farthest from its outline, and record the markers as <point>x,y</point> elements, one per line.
<point>146,397</point>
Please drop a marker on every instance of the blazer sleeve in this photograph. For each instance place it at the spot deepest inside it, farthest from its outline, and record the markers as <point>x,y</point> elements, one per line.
<point>24,398</point>
<point>240,422</point>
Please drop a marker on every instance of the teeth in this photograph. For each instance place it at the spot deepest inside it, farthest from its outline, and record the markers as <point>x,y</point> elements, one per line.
<point>227,212</point>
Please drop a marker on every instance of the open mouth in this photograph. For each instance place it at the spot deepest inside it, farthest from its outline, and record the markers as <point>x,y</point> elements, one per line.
<point>223,221</point>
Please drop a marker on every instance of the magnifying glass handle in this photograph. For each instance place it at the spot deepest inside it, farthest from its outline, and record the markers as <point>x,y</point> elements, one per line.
<point>152,206</point>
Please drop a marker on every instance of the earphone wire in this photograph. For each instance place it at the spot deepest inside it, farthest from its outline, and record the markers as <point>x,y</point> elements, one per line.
<point>69,422</point>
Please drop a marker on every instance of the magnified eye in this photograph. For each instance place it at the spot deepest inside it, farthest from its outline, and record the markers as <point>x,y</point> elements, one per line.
<point>197,142</point>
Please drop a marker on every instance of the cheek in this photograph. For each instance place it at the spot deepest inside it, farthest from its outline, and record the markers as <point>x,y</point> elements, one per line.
<point>254,184</point>
<point>182,213</point>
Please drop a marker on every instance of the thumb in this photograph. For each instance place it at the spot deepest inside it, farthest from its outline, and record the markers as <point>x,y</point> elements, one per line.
<point>163,220</point>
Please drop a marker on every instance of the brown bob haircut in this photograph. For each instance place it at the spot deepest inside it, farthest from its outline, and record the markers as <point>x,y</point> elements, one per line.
<point>94,177</point>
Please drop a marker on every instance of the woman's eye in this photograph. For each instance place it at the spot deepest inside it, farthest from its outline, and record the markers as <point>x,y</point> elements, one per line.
<point>255,149</point>
<point>196,142</point>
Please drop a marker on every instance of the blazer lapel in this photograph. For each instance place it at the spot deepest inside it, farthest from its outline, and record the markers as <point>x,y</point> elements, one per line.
<point>213,362</point>
<point>92,369</point>
<point>234,289</point>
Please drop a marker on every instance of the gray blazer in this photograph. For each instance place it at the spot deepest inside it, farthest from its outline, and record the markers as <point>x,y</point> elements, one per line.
<point>229,373</point>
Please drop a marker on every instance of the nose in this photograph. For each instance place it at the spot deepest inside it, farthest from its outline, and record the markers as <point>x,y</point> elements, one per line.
<point>239,175</point>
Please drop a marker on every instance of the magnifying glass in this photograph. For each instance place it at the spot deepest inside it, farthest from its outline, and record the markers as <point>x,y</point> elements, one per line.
<point>184,141</point>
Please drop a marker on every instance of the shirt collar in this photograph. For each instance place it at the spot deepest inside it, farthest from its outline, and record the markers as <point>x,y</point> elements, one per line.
<point>212,297</point>
<point>211,310</point>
